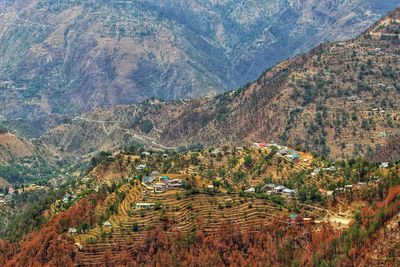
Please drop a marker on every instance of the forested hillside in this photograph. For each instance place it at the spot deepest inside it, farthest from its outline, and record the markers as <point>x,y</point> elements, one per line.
<point>230,206</point>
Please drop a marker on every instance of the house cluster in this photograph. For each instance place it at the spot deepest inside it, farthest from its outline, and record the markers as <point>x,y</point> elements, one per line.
<point>106,225</point>
<point>161,183</point>
<point>144,206</point>
<point>349,187</point>
<point>289,154</point>
<point>340,190</point>
<point>327,169</point>
<point>69,197</point>
<point>283,151</point>
<point>272,188</point>
<point>377,111</point>
<point>148,154</point>
<point>5,198</point>
<point>317,171</point>
<point>260,145</point>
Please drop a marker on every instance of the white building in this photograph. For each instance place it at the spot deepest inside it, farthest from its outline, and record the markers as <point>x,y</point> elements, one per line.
<point>107,224</point>
<point>250,190</point>
<point>141,206</point>
<point>385,165</point>
<point>141,167</point>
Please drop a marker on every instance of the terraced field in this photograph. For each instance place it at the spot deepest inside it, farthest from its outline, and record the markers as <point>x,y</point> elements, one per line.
<point>196,207</point>
<point>178,213</point>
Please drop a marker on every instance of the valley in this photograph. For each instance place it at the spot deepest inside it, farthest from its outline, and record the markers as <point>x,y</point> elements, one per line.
<point>123,143</point>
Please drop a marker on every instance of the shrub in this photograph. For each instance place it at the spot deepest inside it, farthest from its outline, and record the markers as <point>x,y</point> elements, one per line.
<point>135,227</point>
<point>146,126</point>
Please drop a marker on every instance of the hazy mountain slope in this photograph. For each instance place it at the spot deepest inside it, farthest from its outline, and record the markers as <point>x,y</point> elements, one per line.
<point>63,57</point>
<point>22,160</point>
<point>341,98</point>
<point>12,146</point>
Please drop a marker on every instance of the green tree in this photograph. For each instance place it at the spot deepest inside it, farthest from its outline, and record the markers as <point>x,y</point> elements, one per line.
<point>302,194</point>
<point>248,161</point>
<point>146,126</point>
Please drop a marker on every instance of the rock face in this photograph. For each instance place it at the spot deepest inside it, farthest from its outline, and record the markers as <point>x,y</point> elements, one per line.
<point>341,99</point>
<point>68,57</point>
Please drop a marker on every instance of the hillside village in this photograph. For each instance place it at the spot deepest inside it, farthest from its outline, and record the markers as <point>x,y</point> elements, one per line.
<point>202,189</point>
<point>133,198</point>
<point>7,194</point>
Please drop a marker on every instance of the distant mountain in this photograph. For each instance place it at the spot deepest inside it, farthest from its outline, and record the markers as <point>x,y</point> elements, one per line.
<point>67,57</point>
<point>23,161</point>
<point>342,99</point>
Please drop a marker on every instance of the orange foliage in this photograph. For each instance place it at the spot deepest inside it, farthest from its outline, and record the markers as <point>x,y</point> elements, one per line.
<point>392,194</point>
<point>48,247</point>
<point>270,245</point>
<point>319,243</point>
<point>6,251</point>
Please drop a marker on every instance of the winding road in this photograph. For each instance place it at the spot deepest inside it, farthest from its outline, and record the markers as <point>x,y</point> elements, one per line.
<point>143,138</point>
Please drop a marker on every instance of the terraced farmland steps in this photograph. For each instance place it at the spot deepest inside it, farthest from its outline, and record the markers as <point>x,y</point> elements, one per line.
<point>182,213</point>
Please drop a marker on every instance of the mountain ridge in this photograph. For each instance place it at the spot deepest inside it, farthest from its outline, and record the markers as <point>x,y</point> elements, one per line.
<point>77,56</point>
<point>340,96</point>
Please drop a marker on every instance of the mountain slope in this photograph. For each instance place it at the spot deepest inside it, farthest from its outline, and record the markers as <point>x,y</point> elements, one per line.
<point>24,161</point>
<point>390,151</point>
<point>341,99</point>
<point>103,223</point>
<point>12,146</point>
<point>65,57</point>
